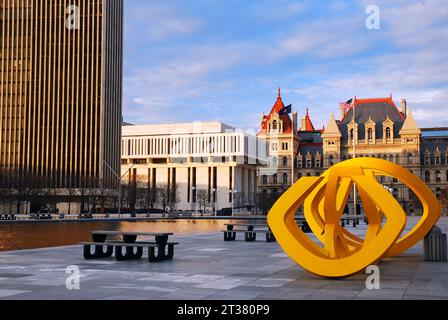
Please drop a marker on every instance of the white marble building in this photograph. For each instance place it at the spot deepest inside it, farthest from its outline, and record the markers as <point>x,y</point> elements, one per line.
<point>195,156</point>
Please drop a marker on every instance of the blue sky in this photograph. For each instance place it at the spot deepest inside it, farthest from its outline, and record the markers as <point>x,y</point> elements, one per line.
<point>203,60</point>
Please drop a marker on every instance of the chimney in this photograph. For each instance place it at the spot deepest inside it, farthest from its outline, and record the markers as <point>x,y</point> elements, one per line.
<point>303,124</point>
<point>404,107</point>
<point>343,108</point>
<point>295,122</point>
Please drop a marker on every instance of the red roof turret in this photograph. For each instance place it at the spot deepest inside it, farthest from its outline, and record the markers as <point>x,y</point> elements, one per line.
<point>278,106</point>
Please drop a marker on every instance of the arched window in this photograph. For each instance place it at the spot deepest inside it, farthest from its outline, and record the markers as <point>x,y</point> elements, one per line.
<point>427,158</point>
<point>275,125</point>
<point>275,179</point>
<point>331,160</point>
<point>309,162</point>
<point>410,160</point>
<point>438,176</point>
<point>265,179</point>
<point>427,177</point>
<point>318,161</point>
<point>388,133</point>
<point>438,193</point>
<point>285,178</point>
<point>437,159</point>
<point>370,134</point>
<point>352,134</point>
<point>285,161</point>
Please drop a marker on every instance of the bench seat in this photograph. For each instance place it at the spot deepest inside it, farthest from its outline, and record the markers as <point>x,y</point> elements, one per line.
<point>129,254</point>
<point>250,236</point>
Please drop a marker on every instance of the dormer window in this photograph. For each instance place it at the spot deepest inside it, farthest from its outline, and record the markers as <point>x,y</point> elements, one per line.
<point>309,161</point>
<point>318,160</point>
<point>300,161</point>
<point>370,131</point>
<point>427,158</point>
<point>275,125</point>
<point>437,158</point>
<point>370,134</point>
<point>388,133</point>
<point>352,128</point>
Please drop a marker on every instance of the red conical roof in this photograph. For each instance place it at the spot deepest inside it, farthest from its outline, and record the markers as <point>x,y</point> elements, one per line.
<point>278,106</point>
<point>308,124</point>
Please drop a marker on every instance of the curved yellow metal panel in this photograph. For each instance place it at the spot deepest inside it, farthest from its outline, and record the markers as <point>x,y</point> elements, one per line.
<point>342,254</point>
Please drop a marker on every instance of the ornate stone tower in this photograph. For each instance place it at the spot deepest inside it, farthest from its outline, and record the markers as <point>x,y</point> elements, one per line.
<point>332,143</point>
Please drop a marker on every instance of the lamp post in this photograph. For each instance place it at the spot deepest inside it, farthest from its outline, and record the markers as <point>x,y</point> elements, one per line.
<point>194,199</point>
<point>233,193</point>
<point>355,134</point>
<point>120,178</point>
<point>215,193</point>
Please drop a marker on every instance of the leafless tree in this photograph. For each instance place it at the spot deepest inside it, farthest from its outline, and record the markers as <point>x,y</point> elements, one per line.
<point>202,196</point>
<point>142,192</point>
<point>162,197</point>
<point>238,200</point>
<point>174,199</point>
<point>70,192</point>
<point>83,193</point>
<point>267,199</point>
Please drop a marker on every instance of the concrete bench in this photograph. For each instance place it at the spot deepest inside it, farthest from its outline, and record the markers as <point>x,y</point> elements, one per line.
<point>129,242</point>
<point>130,253</point>
<point>346,221</point>
<point>249,236</point>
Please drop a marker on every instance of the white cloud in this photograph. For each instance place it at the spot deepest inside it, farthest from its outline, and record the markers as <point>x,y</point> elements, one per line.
<point>276,10</point>
<point>159,21</point>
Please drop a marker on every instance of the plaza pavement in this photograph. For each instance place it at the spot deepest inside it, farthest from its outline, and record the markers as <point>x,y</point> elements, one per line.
<point>206,267</point>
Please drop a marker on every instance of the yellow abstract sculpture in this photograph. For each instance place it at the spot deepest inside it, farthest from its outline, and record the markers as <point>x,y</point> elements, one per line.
<point>341,253</point>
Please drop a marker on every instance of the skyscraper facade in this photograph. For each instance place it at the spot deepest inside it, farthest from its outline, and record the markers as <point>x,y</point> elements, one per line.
<point>60,91</point>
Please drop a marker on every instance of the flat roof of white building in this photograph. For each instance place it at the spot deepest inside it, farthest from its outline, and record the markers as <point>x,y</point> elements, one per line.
<point>176,128</point>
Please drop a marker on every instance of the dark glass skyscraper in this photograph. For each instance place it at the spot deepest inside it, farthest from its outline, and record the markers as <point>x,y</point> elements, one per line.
<point>61,91</point>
